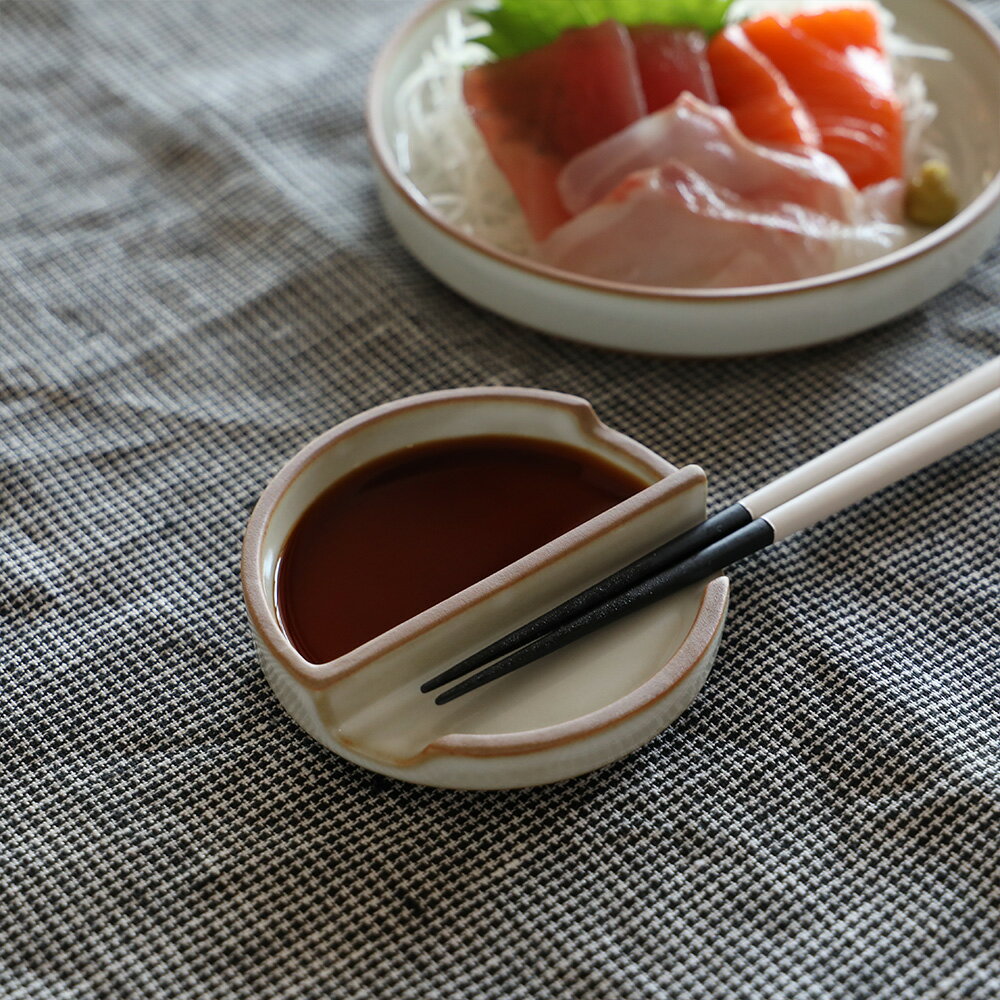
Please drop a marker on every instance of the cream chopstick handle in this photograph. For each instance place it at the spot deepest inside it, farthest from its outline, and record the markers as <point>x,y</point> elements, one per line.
<point>873,440</point>
<point>973,421</point>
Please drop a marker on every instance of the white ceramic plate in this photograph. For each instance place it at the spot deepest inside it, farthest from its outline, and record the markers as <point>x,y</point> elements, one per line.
<point>700,323</point>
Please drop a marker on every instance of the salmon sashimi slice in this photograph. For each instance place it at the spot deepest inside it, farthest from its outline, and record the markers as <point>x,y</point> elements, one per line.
<point>537,110</point>
<point>766,109</point>
<point>843,28</point>
<point>845,82</point>
<point>672,61</point>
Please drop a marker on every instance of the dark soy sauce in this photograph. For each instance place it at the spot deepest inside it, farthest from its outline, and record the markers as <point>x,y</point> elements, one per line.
<point>407,531</point>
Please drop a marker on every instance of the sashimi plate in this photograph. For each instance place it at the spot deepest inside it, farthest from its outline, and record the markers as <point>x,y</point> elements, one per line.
<point>729,321</point>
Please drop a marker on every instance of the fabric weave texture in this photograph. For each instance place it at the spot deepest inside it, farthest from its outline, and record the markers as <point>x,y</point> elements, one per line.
<point>195,279</point>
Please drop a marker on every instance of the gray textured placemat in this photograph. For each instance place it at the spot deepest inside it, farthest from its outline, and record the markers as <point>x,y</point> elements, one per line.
<point>194,280</point>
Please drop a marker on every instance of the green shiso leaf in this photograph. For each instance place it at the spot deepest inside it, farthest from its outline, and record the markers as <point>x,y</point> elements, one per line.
<point>518,26</point>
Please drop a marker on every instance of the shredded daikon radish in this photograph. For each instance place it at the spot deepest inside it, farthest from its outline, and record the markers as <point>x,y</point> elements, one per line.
<point>441,150</point>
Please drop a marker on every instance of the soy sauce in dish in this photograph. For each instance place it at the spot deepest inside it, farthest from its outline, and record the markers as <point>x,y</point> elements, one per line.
<point>414,528</point>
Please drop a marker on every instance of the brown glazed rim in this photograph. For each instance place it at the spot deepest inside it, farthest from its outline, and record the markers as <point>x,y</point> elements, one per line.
<point>708,621</point>
<point>979,207</point>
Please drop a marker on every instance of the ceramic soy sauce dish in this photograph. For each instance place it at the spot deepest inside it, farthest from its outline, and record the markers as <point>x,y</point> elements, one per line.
<point>345,634</point>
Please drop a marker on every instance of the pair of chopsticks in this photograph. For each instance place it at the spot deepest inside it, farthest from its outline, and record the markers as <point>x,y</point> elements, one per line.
<point>945,421</point>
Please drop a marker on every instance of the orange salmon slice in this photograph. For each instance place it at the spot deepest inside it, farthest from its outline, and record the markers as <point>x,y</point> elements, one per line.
<point>835,62</point>
<point>764,106</point>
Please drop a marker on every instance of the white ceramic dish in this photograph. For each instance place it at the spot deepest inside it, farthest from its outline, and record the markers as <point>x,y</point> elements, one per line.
<point>576,710</point>
<point>700,323</point>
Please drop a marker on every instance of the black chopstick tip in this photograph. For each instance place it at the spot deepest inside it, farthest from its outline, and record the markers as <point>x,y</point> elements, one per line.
<point>469,684</point>
<point>703,564</point>
<point>679,547</point>
<point>446,677</point>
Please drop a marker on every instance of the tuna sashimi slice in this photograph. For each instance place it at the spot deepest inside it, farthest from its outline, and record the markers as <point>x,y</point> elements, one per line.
<point>705,137</point>
<point>766,109</point>
<point>537,110</point>
<point>845,82</point>
<point>672,61</point>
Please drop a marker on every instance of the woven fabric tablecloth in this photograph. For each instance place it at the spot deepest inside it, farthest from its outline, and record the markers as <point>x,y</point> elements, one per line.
<point>195,279</point>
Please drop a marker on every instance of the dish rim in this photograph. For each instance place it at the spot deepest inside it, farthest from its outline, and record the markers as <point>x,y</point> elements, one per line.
<point>980,206</point>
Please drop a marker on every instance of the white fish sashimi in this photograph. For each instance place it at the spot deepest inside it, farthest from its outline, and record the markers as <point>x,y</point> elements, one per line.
<point>683,199</point>
<point>669,226</point>
<point>706,138</point>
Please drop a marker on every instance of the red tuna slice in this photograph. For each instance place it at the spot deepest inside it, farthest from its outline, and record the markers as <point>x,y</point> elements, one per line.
<point>766,109</point>
<point>671,61</point>
<point>539,109</point>
<point>846,87</point>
